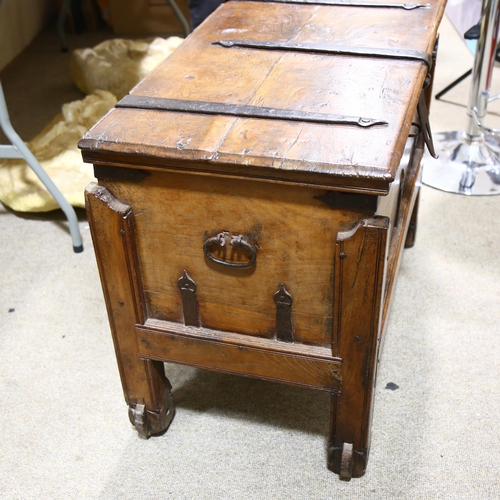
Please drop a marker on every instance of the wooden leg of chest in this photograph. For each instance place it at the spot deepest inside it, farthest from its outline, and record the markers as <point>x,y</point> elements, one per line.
<point>146,389</point>
<point>412,227</point>
<point>359,288</point>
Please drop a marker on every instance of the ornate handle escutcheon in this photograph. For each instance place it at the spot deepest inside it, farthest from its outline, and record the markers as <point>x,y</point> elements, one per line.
<point>226,239</point>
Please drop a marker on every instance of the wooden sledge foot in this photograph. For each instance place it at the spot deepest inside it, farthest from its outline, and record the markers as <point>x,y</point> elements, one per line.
<point>148,423</point>
<point>346,462</point>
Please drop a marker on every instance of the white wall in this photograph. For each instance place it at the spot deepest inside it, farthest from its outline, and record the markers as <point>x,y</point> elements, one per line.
<point>20,22</point>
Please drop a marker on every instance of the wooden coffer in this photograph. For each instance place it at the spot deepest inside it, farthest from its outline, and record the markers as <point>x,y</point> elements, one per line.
<point>254,195</point>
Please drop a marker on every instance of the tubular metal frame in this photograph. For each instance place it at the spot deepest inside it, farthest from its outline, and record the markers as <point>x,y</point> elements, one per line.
<point>17,149</point>
<point>469,161</point>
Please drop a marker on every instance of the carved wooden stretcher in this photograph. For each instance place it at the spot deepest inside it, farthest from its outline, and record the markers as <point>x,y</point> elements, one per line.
<point>254,196</point>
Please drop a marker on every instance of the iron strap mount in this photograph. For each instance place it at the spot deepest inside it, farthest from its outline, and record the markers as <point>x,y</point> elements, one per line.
<point>347,3</point>
<point>313,48</point>
<point>412,55</point>
<point>244,111</point>
<point>248,111</point>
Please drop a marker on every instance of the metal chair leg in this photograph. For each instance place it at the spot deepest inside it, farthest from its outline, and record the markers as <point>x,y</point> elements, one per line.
<point>452,85</point>
<point>65,10</point>
<point>25,153</point>
<point>180,16</point>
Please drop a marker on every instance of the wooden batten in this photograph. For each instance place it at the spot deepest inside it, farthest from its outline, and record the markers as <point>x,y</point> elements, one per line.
<point>235,353</point>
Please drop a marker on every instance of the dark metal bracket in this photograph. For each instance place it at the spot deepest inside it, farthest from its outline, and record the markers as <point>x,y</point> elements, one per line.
<point>341,3</point>
<point>218,108</point>
<point>415,55</point>
<point>189,302</point>
<point>425,126</point>
<point>284,324</point>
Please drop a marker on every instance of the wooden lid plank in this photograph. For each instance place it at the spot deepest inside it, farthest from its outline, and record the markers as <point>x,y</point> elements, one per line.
<point>344,155</point>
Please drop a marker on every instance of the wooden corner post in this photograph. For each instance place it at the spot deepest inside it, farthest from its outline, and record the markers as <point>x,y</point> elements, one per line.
<point>360,259</point>
<point>146,388</point>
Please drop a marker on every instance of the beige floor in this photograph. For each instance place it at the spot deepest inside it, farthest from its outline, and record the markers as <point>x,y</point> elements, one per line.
<point>64,427</point>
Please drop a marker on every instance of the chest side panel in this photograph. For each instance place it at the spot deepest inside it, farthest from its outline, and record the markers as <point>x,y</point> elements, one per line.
<point>293,231</point>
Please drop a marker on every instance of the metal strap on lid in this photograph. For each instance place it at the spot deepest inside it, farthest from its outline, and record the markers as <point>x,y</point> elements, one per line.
<point>245,111</point>
<point>414,55</point>
<point>342,3</point>
<point>313,48</point>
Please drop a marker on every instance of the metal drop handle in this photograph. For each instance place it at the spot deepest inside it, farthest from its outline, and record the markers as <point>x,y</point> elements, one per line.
<point>226,238</point>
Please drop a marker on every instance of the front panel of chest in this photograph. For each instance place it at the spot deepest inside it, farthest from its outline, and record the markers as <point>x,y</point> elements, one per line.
<point>241,256</point>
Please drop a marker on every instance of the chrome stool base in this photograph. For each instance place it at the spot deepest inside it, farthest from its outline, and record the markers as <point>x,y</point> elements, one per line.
<point>466,165</point>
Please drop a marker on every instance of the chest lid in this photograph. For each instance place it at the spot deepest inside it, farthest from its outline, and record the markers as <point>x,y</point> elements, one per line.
<point>298,92</point>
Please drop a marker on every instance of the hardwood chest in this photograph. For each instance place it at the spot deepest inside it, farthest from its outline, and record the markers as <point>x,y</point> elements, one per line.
<point>254,196</point>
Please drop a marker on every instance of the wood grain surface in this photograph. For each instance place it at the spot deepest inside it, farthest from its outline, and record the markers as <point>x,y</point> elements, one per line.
<point>113,233</point>
<point>352,157</point>
<point>294,232</point>
<point>235,353</point>
<point>359,283</point>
